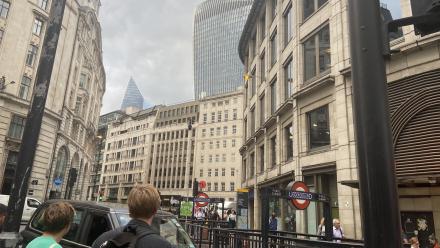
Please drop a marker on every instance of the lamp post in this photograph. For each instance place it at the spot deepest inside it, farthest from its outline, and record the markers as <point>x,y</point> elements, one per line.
<point>96,167</point>
<point>3,83</point>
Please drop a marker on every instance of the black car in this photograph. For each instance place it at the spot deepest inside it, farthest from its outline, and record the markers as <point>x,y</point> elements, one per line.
<point>93,219</point>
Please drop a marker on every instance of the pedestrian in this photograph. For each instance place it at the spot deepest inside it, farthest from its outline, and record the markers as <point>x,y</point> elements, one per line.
<point>414,241</point>
<point>321,228</point>
<point>273,222</point>
<point>338,233</point>
<point>433,241</point>
<point>3,212</point>
<point>232,219</point>
<point>143,204</point>
<point>56,221</point>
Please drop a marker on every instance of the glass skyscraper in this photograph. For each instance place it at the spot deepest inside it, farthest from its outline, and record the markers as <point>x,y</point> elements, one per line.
<point>132,97</point>
<point>218,25</point>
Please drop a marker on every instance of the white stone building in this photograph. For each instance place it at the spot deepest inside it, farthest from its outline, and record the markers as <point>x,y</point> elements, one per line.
<point>74,98</point>
<point>218,139</point>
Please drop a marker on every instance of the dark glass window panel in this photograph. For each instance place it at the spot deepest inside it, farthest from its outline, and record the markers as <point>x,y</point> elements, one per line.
<point>319,128</point>
<point>309,58</point>
<point>324,49</point>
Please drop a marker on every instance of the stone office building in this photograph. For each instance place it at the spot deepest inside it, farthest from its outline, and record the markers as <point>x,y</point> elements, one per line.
<point>74,98</point>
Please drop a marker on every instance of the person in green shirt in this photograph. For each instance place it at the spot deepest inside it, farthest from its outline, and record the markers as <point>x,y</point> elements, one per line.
<point>56,220</point>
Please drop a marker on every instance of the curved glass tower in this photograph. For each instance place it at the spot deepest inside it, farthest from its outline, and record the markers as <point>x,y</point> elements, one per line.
<point>217,29</point>
<point>133,97</point>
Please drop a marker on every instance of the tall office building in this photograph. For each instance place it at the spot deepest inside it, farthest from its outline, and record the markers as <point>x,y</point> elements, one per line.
<point>133,98</point>
<point>217,28</point>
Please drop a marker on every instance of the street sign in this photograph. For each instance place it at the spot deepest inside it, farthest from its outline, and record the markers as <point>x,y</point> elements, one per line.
<point>202,184</point>
<point>201,200</point>
<point>299,195</point>
<point>58,181</point>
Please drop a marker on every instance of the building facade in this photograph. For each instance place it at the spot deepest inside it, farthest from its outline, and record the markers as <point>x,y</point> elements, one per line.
<point>297,115</point>
<point>74,97</point>
<point>219,137</point>
<point>217,28</point>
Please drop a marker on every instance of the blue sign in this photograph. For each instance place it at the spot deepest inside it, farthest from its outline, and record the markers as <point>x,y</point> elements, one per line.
<point>58,181</point>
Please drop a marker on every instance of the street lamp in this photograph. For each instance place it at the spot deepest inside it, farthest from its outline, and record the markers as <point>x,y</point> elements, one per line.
<point>3,83</point>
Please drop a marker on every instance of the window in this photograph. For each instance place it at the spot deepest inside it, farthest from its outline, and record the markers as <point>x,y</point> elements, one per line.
<point>215,186</point>
<point>223,171</point>
<point>17,127</point>
<point>263,26</point>
<point>31,55</point>
<point>209,186</point>
<point>9,172</point>
<point>219,116</point>
<point>24,88</point>
<point>288,80</point>
<point>212,131</point>
<point>205,118</point>
<point>262,111</point>
<point>317,54</point>
<point>223,186</point>
<point>253,83</point>
<point>273,48</point>
<point>288,139</point>
<point>4,8</point>
<point>202,159</point>
<point>210,158</point>
<point>226,115</point>
<point>261,161</point>
<point>219,130</point>
<point>217,158</point>
<point>211,144</point>
<point>217,144</point>
<point>203,132</point>
<point>201,172</point>
<point>319,130</point>
<point>233,143</point>
<point>263,67</point>
<point>224,143</point>
<point>203,145</point>
<point>273,96</point>
<point>209,172</point>
<point>212,117</point>
<point>42,4</point>
<point>310,6</point>
<point>274,8</point>
<point>216,173</point>
<point>252,165</point>
<point>252,122</point>
<point>232,172</point>
<point>83,80</point>
<point>288,33</point>
<point>234,114</point>
<point>234,129</point>
<point>232,157</point>
<point>224,158</point>
<point>38,25</point>
<point>273,151</point>
<point>225,130</point>
<point>232,186</point>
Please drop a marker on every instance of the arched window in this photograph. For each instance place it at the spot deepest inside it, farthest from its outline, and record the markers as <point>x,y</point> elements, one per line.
<point>61,164</point>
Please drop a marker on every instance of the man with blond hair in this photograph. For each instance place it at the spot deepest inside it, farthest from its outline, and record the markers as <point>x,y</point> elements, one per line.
<point>143,203</point>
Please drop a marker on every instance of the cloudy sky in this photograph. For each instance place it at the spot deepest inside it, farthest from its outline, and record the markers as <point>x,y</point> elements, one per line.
<point>151,41</point>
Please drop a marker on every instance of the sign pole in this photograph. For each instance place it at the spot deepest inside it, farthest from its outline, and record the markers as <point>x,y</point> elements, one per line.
<point>328,221</point>
<point>265,217</point>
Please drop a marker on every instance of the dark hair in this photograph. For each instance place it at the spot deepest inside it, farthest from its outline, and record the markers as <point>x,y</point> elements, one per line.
<point>3,209</point>
<point>57,216</point>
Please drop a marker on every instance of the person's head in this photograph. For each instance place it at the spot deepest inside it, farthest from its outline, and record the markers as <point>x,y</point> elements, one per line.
<point>336,223</point>
<point>273,215</point>
<point>233,211</point>
<point>57,218</point>
<point>3,212</point>
<point>414,241</point>
<point>143,202</point>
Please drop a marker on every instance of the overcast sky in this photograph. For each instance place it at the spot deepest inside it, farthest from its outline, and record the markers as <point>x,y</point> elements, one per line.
<point>151,41</point>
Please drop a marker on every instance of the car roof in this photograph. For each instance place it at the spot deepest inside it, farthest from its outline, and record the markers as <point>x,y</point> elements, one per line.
<point>104,206</point>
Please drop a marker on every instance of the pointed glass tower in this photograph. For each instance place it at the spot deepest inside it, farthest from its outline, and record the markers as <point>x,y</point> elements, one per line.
<point>133,97</point>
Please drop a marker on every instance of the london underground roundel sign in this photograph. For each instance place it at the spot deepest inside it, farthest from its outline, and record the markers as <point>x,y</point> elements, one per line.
<point>298,198</point>
<point>201,200</point>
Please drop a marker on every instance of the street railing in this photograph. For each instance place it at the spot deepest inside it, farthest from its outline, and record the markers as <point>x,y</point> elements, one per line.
<point>216,234</point>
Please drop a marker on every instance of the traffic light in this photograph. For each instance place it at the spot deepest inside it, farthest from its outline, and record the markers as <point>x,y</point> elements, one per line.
<point>195,187</point>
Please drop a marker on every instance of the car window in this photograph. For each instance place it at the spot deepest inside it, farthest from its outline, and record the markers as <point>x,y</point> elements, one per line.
<point>99,225</point>
<point>33,203</point>
<point>72,235</point>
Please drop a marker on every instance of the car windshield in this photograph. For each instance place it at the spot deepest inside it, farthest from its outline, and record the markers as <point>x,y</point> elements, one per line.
<point>169,228</point>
